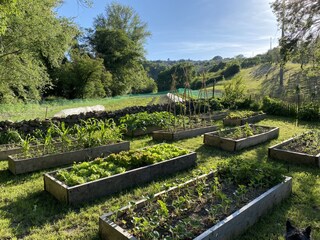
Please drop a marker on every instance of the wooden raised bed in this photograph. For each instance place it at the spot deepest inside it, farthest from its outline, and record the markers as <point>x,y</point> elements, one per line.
<point>140,132</point>
<point>7,150</point>
<point>213,116</point>
<point>242,121</point>
<point>227,229</point>
<point>181,133</point>
<point>276,153</point>
<point>18,166</point>
<point>228,144</point>
<point>116,183</point>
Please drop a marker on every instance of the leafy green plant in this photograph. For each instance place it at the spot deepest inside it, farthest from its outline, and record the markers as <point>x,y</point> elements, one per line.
<point>9,136</point>
<point>118,163</point>
<point>242,114</point>
<point>26,144</point>
<point>242,131</point>
<point>279,108</point>
<point>90,133</point>
<point>189,209</point>
<point>254,174</point>
<point>143,120</point>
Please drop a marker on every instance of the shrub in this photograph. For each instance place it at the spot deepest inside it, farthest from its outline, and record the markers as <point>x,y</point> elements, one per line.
<point>231,70</point>
<point>278,107</point>
<point>215,104</point>
<point>309,112</point>
<point>217,67</point>
<point>233,90</point>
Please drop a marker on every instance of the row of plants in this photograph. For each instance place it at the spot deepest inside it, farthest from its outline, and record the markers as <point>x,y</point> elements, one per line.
<point>88,134</point>
<point>191,209</point>
<point>118,163</point>
<point>308,143</point>
<point>244,131</point>
<point>306,111</point>
<point>143,120</point>
<point>242,114</point>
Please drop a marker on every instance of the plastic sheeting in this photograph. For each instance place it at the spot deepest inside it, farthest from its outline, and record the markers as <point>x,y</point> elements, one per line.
<point>73,111</point>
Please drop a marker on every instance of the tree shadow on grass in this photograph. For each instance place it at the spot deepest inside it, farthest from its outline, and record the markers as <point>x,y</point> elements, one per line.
<point>8,178</point>
<point>34,210</point>
<point>204,152</point>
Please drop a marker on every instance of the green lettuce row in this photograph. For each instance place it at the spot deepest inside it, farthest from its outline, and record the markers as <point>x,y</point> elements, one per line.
<point>118,163</point>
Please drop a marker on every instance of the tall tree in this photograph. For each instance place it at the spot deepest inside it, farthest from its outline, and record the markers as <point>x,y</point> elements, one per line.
<point>82,77</point>
<point>7,9</point>
<point>33,39</point>
<point>302,18</point>
<point>118,37</point>
<point>179,70</point>
<point>300,22</point>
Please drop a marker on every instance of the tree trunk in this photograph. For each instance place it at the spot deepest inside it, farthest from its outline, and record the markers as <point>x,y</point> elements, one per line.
<point>281,75</point>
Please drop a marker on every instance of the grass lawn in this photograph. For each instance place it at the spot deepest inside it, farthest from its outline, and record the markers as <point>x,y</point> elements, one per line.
<point>27,211</point>
<point>20,111</point>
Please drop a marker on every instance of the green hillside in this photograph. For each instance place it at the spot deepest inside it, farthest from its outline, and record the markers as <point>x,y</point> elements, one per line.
<point>263,80</point>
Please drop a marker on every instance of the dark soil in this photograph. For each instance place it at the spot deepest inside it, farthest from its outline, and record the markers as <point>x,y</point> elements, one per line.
<point>308,143</point>
<point>191,210</point>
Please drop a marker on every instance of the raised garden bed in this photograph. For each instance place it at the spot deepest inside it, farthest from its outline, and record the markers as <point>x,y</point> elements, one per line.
<point>241,118</point>
<point>303,149</point>
<point>241,137</point>
<point>133,173</point>
<point>141,132</point>
<point>203,208</point>
<point>145,123</point>
<point>25,165</point>
<point>217,115</point>
<point>12,149</point>
<point>178,134</point>
<point>9,149</point>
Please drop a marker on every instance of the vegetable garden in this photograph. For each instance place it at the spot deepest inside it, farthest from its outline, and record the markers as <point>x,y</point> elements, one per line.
<point>169,189</point>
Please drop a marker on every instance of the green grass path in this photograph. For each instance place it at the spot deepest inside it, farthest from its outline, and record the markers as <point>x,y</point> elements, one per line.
<point>28,212</point>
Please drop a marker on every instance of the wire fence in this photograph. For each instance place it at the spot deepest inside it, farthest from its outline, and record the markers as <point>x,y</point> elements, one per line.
<point>48,108</point>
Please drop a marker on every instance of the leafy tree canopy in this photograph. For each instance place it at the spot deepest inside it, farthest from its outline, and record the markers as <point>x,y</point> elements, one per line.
<point>7,9</point>
<point>118,37</point>
<point>82,77</point>
<point>301,19</point>
<point>177,71</point>
<point>34,39</point>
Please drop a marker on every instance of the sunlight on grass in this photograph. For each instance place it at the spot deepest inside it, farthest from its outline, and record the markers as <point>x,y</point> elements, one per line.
<point>28,212</point>
<point>20,111</point>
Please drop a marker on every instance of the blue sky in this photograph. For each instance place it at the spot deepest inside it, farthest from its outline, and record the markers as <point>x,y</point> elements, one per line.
<point>194,29</point>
